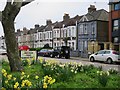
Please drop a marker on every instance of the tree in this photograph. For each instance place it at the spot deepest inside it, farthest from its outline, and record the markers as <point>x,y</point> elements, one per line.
<point>9,14</point>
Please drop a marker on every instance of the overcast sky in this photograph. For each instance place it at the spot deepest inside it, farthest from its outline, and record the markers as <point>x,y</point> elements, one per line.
<point>39,11</point>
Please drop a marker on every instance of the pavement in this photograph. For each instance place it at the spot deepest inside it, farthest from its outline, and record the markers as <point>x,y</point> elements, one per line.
<point>79,58</point>
<point>71,58</point>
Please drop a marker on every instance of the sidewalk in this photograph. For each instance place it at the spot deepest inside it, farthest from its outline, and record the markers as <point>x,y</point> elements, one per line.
<point>79,58</point>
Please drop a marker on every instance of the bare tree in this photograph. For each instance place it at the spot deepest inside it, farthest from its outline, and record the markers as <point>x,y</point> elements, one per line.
<point>9,14</point>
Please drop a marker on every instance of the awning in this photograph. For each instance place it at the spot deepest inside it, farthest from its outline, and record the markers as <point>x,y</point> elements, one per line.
<point>24,47</point>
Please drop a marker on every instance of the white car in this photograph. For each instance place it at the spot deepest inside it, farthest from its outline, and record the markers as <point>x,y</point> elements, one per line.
<point>3,51</point>
<point>108,56</point>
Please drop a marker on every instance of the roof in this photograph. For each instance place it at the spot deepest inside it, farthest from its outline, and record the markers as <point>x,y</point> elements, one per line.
<point>96,15</point>
<point>48,28</point>
<point>41,28</point>
<point>113,1</point>
<point>58,25</point>
<point>69,22</point>
<point>32,31</point>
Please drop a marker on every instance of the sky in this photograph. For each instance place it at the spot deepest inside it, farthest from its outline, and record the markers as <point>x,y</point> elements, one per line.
<point>39,11</point>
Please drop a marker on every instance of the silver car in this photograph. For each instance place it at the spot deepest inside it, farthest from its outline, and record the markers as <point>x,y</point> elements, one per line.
<point>108,56</point>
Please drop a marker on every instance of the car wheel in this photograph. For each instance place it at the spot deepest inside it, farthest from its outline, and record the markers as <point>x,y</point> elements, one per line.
<point>92,59</point>
<point>51,55</point>
<point>59,56</point>
<point>67,57</point>
<point>109,61</point>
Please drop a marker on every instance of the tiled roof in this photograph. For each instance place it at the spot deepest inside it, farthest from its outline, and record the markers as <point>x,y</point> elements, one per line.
<point>69,22</point>
<point>41,28</point>
<point>58,25</point>
<point>97,15</point>
<point>32,31</point>
<point>48,28</point>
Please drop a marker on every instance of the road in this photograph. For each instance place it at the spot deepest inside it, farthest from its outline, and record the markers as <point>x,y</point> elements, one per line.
<point>87,62</point>
<point>84,61</point>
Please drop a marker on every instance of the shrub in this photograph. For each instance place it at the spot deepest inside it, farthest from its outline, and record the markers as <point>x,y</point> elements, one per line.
<point>103,77</point>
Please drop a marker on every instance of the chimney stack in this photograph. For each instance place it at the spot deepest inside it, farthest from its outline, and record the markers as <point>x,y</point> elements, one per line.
<point>48,22</point>
<point>36,26</point>
<point>66,17</point>
<point>91,8</point>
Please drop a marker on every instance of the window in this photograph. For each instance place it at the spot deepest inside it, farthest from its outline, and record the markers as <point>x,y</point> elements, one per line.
<point>115,39</point>
<point>101,52</point>
<point>81,29</point>
<point>117,6</point>
<point>107,52</point>
<point>69,32</point>
<point>93,29</point>
<point>115,25</point>
<point>85,29</point>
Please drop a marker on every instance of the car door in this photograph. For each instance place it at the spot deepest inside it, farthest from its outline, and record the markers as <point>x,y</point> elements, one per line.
<point>106,55</point>
<point>99,55</point>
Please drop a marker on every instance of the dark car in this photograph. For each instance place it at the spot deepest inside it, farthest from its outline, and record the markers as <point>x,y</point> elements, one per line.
<point>44,52</point>
<point>61,51</point>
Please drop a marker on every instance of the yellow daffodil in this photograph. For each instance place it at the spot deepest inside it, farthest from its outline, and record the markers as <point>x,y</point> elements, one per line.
<point>29,83</point>
<point>9,77</point>
<point>16,85</point>
<point>22,73</point>
<point>3,71</point>
<point>3,88</point>
<point>44,85</point>
<point>23,84</point>
<point>6,81</point>
<point>108,73</point>
<point>28,76</point>
<point>14,78</point>
<point>52,81</point>
<point>36,77</point>
<point>5,74</point>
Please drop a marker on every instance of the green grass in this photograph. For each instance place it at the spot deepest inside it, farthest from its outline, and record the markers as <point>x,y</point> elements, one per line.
<point>84,79</point>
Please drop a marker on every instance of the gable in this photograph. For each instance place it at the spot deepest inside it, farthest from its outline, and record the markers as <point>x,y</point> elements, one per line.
<point>83,19</point>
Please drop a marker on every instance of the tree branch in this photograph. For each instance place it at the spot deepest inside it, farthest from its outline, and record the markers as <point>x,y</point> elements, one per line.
<point>26,2</point>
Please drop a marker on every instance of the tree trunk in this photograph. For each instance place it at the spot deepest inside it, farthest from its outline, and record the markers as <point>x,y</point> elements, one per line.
<point>11,43</point>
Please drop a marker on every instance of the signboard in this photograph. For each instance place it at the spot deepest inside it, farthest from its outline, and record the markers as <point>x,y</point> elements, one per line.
<point>28,55</point>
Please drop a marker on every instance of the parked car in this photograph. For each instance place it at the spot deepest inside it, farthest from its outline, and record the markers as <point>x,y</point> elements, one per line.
<point>61,51</point>
<point>108,56</point>
<point>3,51</point>
<point>44,52</point>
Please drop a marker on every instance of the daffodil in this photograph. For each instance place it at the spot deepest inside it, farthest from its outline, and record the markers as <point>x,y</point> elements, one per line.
<point>5,74</point>
<point>52,81</point>
<point>36,77</point>
<point>22,73</point>
<point>9,77</point>
<point>14,78</point>
<point>16,85</point>
<point>44,85</point>
<point>6,81</point>
<point>3,71</point>
<point>3,88</point>
<point>28,76</point>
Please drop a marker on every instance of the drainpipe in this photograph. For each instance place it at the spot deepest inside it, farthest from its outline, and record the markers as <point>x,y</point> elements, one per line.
<point>76,35</point>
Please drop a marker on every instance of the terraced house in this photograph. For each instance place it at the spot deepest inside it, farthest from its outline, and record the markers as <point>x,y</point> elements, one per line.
<point>114,24</point>
<point>55,34</point>
<point>93,31</point>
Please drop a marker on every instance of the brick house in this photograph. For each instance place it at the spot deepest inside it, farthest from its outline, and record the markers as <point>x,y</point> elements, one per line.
<point>114,23</point>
